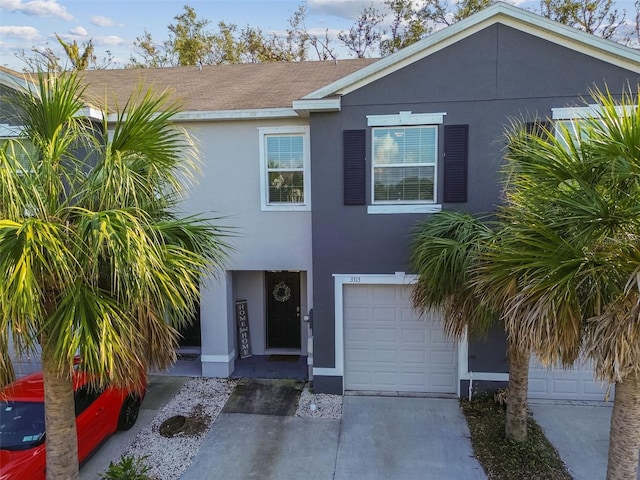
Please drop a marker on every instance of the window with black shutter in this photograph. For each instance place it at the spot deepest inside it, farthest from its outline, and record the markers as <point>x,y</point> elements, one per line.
<point>456,156</point>
<point>354,157</point>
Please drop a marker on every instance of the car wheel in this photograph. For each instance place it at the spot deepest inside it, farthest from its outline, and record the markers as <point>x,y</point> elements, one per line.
<point>129,412</point>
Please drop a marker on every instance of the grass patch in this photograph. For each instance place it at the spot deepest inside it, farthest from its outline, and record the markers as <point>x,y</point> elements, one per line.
<point>502,459</point>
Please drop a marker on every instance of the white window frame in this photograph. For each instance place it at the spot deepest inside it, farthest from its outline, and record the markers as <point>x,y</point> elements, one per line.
<point>266,132</point>
<point>11,132</point>
<point>567,116</point>
<point>406,119</point>
<point>574,115</point>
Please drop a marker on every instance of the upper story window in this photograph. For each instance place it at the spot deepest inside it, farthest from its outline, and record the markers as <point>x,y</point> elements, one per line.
<point>404,165</point>
<point>570,123</point>
<point>285,168</point>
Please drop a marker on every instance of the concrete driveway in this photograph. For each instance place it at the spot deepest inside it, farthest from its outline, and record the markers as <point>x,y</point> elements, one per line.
<point>377,438</point>
<point>580,433</point>
<point>405,438</point>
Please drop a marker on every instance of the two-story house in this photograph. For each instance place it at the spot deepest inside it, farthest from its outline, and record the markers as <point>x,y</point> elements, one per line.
<point>323,169</point>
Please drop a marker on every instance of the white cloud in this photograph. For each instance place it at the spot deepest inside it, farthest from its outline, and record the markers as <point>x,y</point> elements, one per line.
<point>79,31</point>
<point>28,34</point>
<point>37,8</point>
<point>347,9</point>
<point>102,21</point>
<point>108,40</point>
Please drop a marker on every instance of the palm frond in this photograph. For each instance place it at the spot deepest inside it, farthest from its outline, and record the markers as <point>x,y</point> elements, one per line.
<point>444,252</point>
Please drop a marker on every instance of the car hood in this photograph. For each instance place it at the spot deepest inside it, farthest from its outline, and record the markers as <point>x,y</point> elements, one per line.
<point>14,463</point>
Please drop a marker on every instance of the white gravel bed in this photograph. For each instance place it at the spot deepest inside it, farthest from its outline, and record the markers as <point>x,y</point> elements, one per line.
<point>319,405</point>
<point>169,458</point>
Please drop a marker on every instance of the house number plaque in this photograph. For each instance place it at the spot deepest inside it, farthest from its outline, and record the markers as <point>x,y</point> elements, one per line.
<point>242,318</point>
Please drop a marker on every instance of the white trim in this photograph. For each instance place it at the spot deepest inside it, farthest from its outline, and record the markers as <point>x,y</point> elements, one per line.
<point>89,112</point>
<point>405,118</point>
<point>404,208</point>
<point>208,115</point>
<point>569,113</point>
<point>303,107</point>
<point>398,278</point>
<point>16,82</point>
<point>218,358</point>
<point>486,376</point>
<point>502,13</point>
<point>340,280</point>
<point>463,366</point>
<point>590,111</point>
<point>326,372</point>
<point>306,169</point>
<point>10,131</point>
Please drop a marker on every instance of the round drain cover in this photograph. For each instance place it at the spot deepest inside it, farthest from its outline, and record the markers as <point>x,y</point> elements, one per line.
<point>172,425</point>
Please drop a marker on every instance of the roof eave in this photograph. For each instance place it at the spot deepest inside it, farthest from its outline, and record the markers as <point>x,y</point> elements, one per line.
<point>221,115</point>
<point>305,107</point>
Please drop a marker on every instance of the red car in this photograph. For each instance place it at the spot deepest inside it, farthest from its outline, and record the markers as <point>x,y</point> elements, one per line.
<point>22,428</point>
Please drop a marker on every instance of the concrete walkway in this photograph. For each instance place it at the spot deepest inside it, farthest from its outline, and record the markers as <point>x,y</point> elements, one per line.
<point>580,433</point>
<point>378,438</point>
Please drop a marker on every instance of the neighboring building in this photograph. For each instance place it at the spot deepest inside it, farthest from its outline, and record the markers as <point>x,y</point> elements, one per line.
<point>420,131</point>
<point>323,170</point>
<point>256,180</point>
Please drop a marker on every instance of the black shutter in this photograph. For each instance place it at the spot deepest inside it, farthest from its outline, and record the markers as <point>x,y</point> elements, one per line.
<point>354,152</point>
<point>456,154</point>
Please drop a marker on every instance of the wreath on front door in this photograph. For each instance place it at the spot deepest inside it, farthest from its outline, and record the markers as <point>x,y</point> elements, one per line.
<point>281,292</point>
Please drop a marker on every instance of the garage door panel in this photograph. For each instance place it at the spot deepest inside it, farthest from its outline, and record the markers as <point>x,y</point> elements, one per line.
<point>576,383</point>
<point>401,354</point>
<point>358,355</point>
<point>438,338</point>
<point>413,380</point>
<point>413,357</point>
<point>442,383</point>
<point>417,337</point>
<point>385,335</point>
<point>385,356</point>
<point>440,357</point>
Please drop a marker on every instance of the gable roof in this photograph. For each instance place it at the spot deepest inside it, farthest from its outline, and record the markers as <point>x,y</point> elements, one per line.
<point>502,13</point>
<point>218,88</point>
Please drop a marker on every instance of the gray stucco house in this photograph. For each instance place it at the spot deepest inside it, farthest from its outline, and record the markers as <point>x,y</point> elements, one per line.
<point>324,169</point>
<point>420,131</point>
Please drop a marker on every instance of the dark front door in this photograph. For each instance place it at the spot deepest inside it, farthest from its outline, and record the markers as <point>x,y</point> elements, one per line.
<point>283,309</point>
<point>190,335</point>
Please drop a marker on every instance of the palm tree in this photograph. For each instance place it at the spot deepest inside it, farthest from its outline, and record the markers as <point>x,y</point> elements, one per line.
<point>572,240</point>
<point>94,258</point>
<point>446,253</point>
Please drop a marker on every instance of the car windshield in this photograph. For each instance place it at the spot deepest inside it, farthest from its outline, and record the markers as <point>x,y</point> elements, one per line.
<point>21,425</point>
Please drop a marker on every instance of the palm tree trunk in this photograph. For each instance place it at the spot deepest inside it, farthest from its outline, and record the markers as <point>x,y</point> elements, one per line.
<point>624,439</point>
<point>60,419</point>
<point>516,418</point>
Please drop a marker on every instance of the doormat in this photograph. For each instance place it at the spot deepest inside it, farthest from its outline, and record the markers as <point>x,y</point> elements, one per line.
<point>284,358</point>
<point>188,356</point>
<point>260,396</point>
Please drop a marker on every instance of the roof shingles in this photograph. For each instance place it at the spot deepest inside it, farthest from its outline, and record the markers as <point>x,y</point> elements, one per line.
<point>221,87</point>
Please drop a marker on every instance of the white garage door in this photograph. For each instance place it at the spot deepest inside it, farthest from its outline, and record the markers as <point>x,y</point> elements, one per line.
<point>576,383</point>
<point>389,348</point>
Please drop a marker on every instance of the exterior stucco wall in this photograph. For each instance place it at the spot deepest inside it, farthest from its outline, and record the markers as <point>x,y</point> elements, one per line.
<point>484,81</point>
<point>230,188</point>
<point>229,191</point>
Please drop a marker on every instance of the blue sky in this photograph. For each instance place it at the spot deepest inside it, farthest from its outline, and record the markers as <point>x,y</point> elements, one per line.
<point>114,24</point>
